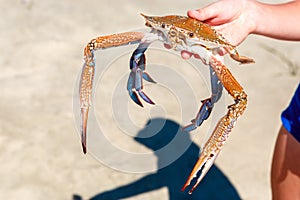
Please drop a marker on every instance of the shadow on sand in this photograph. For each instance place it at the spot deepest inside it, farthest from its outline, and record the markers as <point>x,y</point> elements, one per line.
<point>215,185</point>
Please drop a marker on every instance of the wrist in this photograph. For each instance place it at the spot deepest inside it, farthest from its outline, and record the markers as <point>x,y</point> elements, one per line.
<point>255,15</point>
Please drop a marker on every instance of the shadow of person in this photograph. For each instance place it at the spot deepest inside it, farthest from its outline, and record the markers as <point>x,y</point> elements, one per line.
<point>174,165</point>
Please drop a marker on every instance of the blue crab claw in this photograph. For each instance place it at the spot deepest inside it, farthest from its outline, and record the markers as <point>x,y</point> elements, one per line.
<point>145,97</point>
<point>133,95</point>
<point>130,81</point>
<point>148,78</point>
<point>204,162</point>
<point>135,83</point>
<point>142,62</point>
<point>138,59</point>
<point>202,115</point>
<point>137,65</point>
<point>138,82</point>
<point>189,127</point>
<point>139,86</point>
<point>130,85</point>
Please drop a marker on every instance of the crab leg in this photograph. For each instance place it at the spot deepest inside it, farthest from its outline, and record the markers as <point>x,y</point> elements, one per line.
<point>135,81</point>
<point>207,104</point>
<point>87,75</point>
<point>236,56</point>
<point>220,134</point>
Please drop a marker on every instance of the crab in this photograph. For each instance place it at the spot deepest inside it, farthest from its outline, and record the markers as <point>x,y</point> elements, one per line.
<point>180,33</point>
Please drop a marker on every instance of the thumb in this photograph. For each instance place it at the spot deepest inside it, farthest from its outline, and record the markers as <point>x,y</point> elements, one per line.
<point>197,14</point>
<point>206,13</point>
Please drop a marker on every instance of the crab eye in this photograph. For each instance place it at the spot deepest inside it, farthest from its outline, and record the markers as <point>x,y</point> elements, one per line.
<point>163,25</point>
<point>191,34</point>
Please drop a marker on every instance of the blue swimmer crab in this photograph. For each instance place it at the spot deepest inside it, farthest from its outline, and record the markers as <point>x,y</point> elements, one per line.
<point>179,33</point>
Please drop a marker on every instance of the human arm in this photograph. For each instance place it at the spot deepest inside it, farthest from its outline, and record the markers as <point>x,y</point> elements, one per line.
<point>236,19</point>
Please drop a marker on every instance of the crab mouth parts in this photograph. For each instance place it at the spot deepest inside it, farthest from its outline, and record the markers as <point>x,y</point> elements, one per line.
<point>148,24</point>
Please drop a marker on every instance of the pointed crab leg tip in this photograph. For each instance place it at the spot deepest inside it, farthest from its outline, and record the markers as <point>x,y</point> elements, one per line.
<point>148,78</point>
<point>143,15</point>
<point>246,60</point>
<point>151,102</point>
<point>83,137</point>
<point>145,97</point>
<point>184,187</point>
<point>139,103</point>
<point>133,95</point>
<point>84,149</point>
<point>199,164</point>
<point>189,128</point>
<point>194,187</point>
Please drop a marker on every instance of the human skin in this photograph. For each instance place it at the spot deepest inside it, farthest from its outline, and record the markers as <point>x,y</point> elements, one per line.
<point>285,170</point>
<point>236,19</point>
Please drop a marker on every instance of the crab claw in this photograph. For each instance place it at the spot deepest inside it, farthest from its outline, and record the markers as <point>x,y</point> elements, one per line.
<point>145,97</point>
<point>130,86</point>
<point>135,83</point>
<point>136,76</point>
<point>205,161</point>
<point>133,95</point>
<point>148,78</point>
<point>202,115</point>
<point>138,85</point>
<point>141,64</point>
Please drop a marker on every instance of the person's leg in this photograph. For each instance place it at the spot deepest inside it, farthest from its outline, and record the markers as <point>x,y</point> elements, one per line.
<point>285,172</point>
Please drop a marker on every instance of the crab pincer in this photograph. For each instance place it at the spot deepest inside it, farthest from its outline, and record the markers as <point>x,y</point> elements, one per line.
<point>202,115</point>
<point>137,74</point>
<point>207,104</point>
<point>204,162</point>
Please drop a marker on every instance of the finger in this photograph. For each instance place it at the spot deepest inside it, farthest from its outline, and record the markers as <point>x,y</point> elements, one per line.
<point>196,56</point>
<point>212,14</point>
<point>222,51</point>
<point>197,14</point>
<point>213,21</point>
<point>186,55</point>
<point>167,46</point>
<point>206,13</point>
